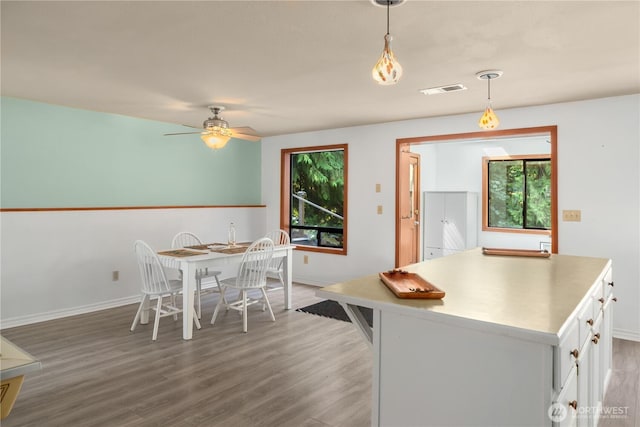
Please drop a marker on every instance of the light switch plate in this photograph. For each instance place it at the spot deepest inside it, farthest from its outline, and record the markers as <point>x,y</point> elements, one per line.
<point>574,215</point>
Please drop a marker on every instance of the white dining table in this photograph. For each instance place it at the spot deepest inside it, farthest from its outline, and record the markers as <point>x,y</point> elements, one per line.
<point>190,264</point>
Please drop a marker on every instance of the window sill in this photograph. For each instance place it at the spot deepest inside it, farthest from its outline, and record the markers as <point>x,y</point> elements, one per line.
<point>333,251</point>
<point>516,230</point>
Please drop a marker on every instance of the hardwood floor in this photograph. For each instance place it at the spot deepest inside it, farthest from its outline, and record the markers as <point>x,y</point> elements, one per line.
<point>302,370</point>
<point>623,395</point>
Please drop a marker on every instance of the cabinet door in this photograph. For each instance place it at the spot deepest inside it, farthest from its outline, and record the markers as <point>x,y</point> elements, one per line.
<point>563,411</point>
<point>455,221</point>
<point>595,394</point>
<point>606,332</point>
<point>433,219</point>
<point>584,368</point>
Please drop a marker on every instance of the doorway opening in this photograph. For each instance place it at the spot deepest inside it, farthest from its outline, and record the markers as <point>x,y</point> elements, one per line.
<point>453,163</point>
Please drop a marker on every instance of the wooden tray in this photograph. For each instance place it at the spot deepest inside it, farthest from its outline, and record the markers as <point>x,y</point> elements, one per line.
<point>516,252</point>
<point>409,285</point>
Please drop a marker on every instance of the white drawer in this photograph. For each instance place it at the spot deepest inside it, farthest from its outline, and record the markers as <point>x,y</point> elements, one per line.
<point>586,320</point>
<point>608,284</point>
<point>597,298</point>
<point>566,354</point>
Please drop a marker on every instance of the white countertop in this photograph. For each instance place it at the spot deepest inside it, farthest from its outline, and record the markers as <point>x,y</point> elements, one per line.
<point>525,296</point>
<point>14,361</point>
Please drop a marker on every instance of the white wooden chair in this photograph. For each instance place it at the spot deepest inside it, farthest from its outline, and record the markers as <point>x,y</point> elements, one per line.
<point>252,275</point>
<point>156,285</point>
<point>182,240</point>
<point>275,268</point>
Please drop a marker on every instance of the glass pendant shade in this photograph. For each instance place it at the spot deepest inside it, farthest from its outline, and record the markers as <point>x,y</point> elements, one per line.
<point>489,120</point>
<point>387,70</point>
<point>214,140</point>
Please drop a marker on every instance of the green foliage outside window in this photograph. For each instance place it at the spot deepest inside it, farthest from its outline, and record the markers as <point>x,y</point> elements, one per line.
<point>319,178</point>
<point>520,194</point>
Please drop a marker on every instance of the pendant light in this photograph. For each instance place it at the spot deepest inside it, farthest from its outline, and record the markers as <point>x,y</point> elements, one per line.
<point>489,120</point>
<point>387,70</point>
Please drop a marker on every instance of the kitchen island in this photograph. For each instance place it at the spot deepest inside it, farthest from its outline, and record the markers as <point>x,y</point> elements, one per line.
<point>515,341</point>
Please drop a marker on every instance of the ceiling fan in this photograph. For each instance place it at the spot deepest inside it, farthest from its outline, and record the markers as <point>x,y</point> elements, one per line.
<point>216,131</point>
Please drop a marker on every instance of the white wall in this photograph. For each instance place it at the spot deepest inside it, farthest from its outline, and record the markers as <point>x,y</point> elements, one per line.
<point>457,166</point>
<point>56,264</point>
<point>598,163</point>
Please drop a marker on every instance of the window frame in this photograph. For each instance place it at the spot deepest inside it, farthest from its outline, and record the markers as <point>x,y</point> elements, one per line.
<point>285,194</point>
<point>485,193</point>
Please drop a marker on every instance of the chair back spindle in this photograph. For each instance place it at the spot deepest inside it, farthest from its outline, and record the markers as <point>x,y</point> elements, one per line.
<point>252,272</point>
<point>154,279</point>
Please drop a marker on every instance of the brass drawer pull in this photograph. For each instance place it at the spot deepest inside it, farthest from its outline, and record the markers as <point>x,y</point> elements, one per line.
<point>590,322</point>
<point>575,353</point>
<point>601,300</point>
<point>611,283</point>
<point>574,404</point>
<point>597,335</point>
<point>615,299</point>
<point>594,340</point>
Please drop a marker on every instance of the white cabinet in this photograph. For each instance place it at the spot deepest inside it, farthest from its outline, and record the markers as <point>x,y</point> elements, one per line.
<point>450,222</point>
<point>591,356</point>
<point>514,342</point>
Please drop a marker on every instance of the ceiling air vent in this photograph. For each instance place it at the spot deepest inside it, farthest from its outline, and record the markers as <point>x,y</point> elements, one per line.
<point>443,89</point>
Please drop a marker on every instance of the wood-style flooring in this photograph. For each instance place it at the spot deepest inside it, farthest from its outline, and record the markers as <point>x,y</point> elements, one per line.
<point>302,370</point>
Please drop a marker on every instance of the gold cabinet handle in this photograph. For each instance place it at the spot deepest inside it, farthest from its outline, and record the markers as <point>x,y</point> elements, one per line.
<point>594,340</point>
<point>597,335</point>
<point>614,299</point>
<point>574,404</point>
<point>611,283</point>
<point>601,300</point>
<point>575,353</point>
<point>590,322</point>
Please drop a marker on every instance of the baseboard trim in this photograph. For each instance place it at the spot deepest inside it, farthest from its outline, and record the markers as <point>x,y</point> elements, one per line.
<point>58,314</point>
<point>626,334</point>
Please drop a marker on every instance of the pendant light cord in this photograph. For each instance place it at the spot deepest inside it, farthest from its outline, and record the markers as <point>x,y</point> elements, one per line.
<point>388,5</point>
<point>489,88</point>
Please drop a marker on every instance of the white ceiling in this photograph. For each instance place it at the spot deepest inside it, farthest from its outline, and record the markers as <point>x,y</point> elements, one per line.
<point>290,66</point>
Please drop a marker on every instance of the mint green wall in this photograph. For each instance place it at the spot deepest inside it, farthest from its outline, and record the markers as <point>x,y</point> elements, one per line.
<point>54,156</point>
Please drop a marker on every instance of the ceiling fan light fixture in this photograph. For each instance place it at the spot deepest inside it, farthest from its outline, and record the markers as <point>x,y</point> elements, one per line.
<point>387,70</point>
<point>489,120</point>
<point>214,140</point>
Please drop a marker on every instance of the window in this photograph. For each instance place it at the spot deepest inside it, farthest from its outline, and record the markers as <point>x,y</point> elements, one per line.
<point>314,197</point>
<point>517,193</point>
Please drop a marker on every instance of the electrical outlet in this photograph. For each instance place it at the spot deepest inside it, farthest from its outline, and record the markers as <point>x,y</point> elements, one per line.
<point>575,215</point>
<point>305,259</point>
<point>115,276</point>
<point>379,209</point>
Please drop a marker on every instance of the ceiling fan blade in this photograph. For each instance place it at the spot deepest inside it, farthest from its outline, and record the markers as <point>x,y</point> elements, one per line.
<point>181,133</point>
<point>244,130</point>
<point>246,137</point>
